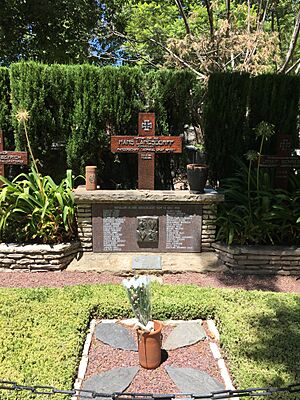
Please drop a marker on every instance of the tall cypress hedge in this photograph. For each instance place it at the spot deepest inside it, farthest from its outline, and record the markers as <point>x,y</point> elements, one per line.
<point>236,104</point>
<point>5,107</point>
<point>275,99</point>
<point>74,110</point>
<point>225,127</point>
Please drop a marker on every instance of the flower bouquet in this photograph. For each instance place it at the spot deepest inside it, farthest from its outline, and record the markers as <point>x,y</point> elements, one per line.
<point>148,331</point>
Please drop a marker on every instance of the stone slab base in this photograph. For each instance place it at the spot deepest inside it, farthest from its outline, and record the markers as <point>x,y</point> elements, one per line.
<point>281,260</point>
<point>37,257</point>
<point>121,263</point>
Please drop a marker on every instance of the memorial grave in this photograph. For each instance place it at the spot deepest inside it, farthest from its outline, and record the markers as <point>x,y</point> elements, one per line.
<point>145,220</point>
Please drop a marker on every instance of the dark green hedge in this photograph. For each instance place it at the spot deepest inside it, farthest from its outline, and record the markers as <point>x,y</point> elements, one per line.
<point>43,330</point>
<point>74,109</point>
<point>235,105</point>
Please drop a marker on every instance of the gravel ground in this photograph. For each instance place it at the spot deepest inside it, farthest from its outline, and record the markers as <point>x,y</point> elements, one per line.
<point>65,278</point>
<point>102,358</point>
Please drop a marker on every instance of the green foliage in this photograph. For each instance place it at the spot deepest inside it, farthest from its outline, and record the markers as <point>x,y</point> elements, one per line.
<point>235,105</point>
<point>275,98</point>
<point>5,106</point>
<point>74,109</point>
<point>35,209</point>
<point>43,330</point>
<point>255,213</point>
<point>50,31</point>
<point>225,130</point>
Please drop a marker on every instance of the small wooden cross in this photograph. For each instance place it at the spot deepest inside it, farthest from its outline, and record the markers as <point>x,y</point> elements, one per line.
<point>146,145</point>
<point>282,161</point>
<point>10,157</point>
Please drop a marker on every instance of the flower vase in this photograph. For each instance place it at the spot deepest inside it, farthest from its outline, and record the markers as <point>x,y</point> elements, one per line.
<point>197,176</point>
<point>149,346</point>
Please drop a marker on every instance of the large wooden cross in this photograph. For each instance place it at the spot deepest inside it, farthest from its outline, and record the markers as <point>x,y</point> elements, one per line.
<point>282,161</point>
<point>10,157</point>
<point>146,144</point>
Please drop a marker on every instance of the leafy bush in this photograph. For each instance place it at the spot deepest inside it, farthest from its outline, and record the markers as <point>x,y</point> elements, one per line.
<point>35,209</point>
<point>254,212</point>
<point>265,217</point>
<point>43,330</point>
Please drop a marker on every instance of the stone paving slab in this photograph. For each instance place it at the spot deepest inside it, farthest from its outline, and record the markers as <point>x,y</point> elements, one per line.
<point>116,336</point>
<point>184,334</point>
<point>115,263</point>
<point>115,380</point>
<point>194,381</point>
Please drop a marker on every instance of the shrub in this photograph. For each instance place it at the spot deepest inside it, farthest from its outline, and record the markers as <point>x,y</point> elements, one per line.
<point>254,212</point>
<point>35,209</point>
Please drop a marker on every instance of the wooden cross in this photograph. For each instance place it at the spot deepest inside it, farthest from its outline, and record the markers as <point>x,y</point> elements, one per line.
<point>146,144</point>
<point>10,157</point>
<point>282,161</point>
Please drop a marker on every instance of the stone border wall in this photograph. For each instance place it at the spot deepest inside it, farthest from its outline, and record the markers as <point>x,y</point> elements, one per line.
<point>84,223</point>
<point>281,260</point>
<point>37,257</point>
<point>85,232</point>
<point>208,234</point>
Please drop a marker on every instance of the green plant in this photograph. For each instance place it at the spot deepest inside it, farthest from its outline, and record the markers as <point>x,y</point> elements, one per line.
<point>35,209</point>
<point>255,212</point>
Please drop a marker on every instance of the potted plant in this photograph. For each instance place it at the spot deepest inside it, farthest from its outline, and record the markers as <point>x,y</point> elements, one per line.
<point>148,331</point>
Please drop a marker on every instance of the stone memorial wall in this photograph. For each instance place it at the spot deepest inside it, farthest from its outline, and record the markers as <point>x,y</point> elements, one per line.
<point>146,221</point>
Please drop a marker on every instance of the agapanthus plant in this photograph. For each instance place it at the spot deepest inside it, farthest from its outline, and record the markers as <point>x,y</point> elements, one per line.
<point>138,291</point>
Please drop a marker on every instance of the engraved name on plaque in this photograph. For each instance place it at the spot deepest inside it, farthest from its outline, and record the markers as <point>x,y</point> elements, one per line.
<point>149,228</point>
<point>176,223</point>
<point>112,231</point>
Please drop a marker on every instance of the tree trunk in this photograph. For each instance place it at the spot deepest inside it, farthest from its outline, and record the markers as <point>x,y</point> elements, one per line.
<point>292,44</point>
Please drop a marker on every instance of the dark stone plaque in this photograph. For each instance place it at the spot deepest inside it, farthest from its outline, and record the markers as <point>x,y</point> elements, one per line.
<point>153,228</point>
<point>147,231</point>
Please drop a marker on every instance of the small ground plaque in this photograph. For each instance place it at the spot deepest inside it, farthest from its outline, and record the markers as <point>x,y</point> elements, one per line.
<point>146,262</point>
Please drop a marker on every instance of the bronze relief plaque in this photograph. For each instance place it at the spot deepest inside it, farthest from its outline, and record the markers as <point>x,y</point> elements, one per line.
<point>147,231</point>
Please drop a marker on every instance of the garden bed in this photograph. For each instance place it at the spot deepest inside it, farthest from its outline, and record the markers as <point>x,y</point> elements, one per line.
<point>43,330</point>
<point>281,260</point>
<point>37,257</point>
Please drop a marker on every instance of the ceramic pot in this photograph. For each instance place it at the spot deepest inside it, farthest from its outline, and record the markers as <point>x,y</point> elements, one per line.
<point>197,176</point>
<point>149,347</point>
<point>91,177</point>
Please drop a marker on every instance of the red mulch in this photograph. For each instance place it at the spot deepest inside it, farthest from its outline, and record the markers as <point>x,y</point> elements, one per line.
<point>26,279</point>
<point>103,357</point>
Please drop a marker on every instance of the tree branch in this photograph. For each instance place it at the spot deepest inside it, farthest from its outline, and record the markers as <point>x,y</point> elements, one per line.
<point>292,44</point>
<point>182,13</point>
<point>199,74</point>
<point>210,17</point>
<point>297,63</point>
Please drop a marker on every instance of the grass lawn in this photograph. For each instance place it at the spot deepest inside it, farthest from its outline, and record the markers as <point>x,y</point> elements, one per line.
<point>42,331</point>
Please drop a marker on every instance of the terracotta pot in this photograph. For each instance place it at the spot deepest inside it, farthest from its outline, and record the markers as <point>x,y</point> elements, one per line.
<point>149,347</point>
<point>91,177</point>
<point>197,176</point>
